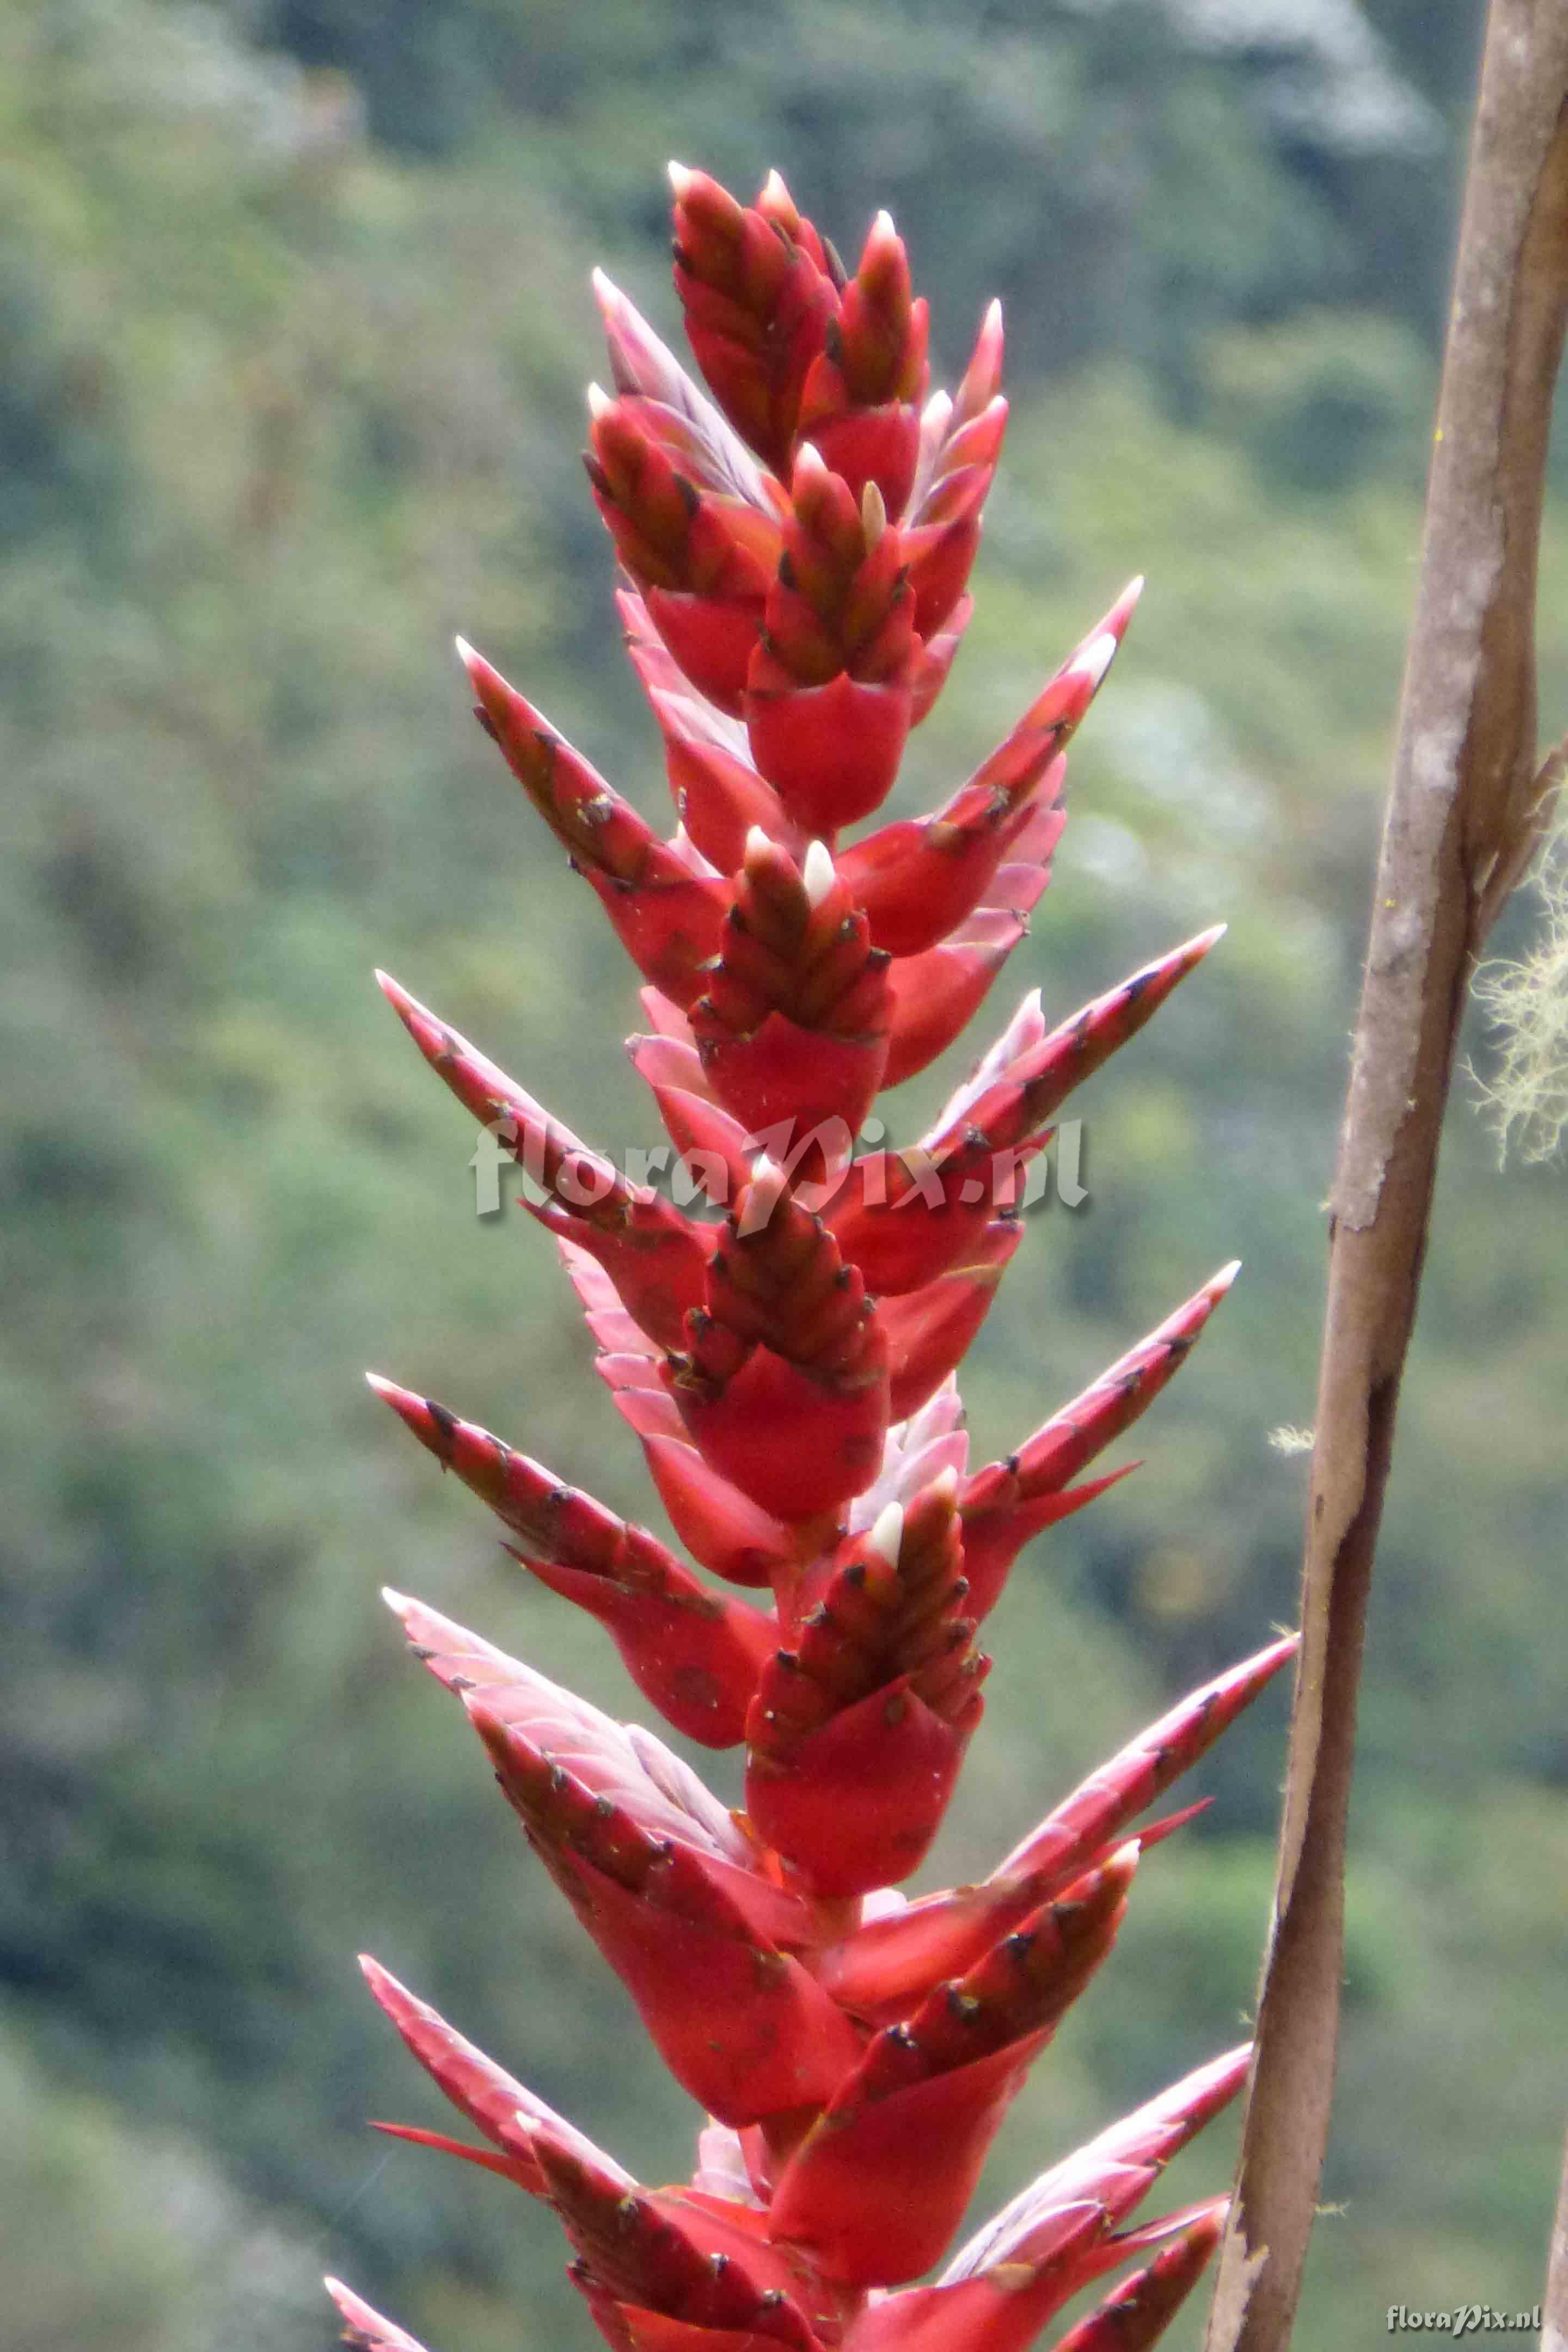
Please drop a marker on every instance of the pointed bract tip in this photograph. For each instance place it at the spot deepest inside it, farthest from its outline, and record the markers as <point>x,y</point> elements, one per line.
<point>758,844</point>
<point>465,652</point>
<point>1224,1278</point>
<point>398,1602</point>
<point>1227,2073</point>
<point>1209,939</point>
<point>1115,622</point>
<point>882,227</point>
<point>888,1534</point>
<point>681,179</point>
<point>809,460</point>
<point>1121,612</point>
<point>410,1408</point>
<point>818,873</point>
<point>774,189</point>
<point>945,1485</point>
<point>599,405</point>
<point>1098,656</point>
<point>769,1183</point>
<point>873,515</point>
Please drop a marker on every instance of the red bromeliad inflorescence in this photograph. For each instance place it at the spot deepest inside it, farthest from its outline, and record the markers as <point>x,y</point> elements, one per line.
<point>794,545</point>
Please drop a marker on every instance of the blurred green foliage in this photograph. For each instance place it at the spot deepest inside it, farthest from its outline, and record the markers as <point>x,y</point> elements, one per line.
<point>292,297</point>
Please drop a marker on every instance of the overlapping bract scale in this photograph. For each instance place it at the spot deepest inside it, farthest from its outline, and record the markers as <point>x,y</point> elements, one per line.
<point>781,1332</point>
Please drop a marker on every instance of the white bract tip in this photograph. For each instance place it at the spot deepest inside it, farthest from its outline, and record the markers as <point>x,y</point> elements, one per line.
<point>883,226</point>
<point>758,844</point>
<point>1126,1856</point>
<point>818,873</point>
<point>465,653</point>
<point>599,402</point>
<point>396,1601</point>
<point>774,188</point>
<point>808,459</point>
<point>680,178</point>
<point>994,313</point>
<point>612,302</point>
<point>768,1184</point>
<point>873,515</point>
<point>887,1533</point>
<point>945,1485</point>
<point>1098,656</point>
<point>1226,1276</point>
<point>382,1387</point>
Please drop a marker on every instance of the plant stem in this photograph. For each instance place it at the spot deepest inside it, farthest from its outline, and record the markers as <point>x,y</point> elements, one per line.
<point>1555,2318</point>
<point>1462,802</point>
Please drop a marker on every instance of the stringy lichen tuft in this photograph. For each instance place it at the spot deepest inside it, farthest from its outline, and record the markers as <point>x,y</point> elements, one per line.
<point>1527,1094</point>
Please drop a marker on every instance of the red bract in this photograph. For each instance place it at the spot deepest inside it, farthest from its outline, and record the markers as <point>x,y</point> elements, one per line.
<point>794,554</point>
<point>907,2131</point>
<point>889,1962</point>
<point>1136,2313</point>
<point>1059,2235</point>
<point>694,1653</point>
<point>860,401</point>
<point>760,291</point>
<point>792,1024</point>
<point>860,1724</point>
<point>920,878</point>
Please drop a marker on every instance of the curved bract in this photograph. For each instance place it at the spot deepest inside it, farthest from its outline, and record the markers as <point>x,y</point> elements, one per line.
<point>793,545</point>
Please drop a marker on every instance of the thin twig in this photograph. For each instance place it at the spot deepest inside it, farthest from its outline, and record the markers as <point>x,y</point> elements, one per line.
<point>1461,806</point>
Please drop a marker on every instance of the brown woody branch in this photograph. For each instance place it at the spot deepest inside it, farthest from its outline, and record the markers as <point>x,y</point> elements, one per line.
<point>1554,2317</point>
<point>1462,811</point>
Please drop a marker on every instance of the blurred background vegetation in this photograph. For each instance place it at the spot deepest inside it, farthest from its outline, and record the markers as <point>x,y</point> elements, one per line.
<point>295,322</point>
